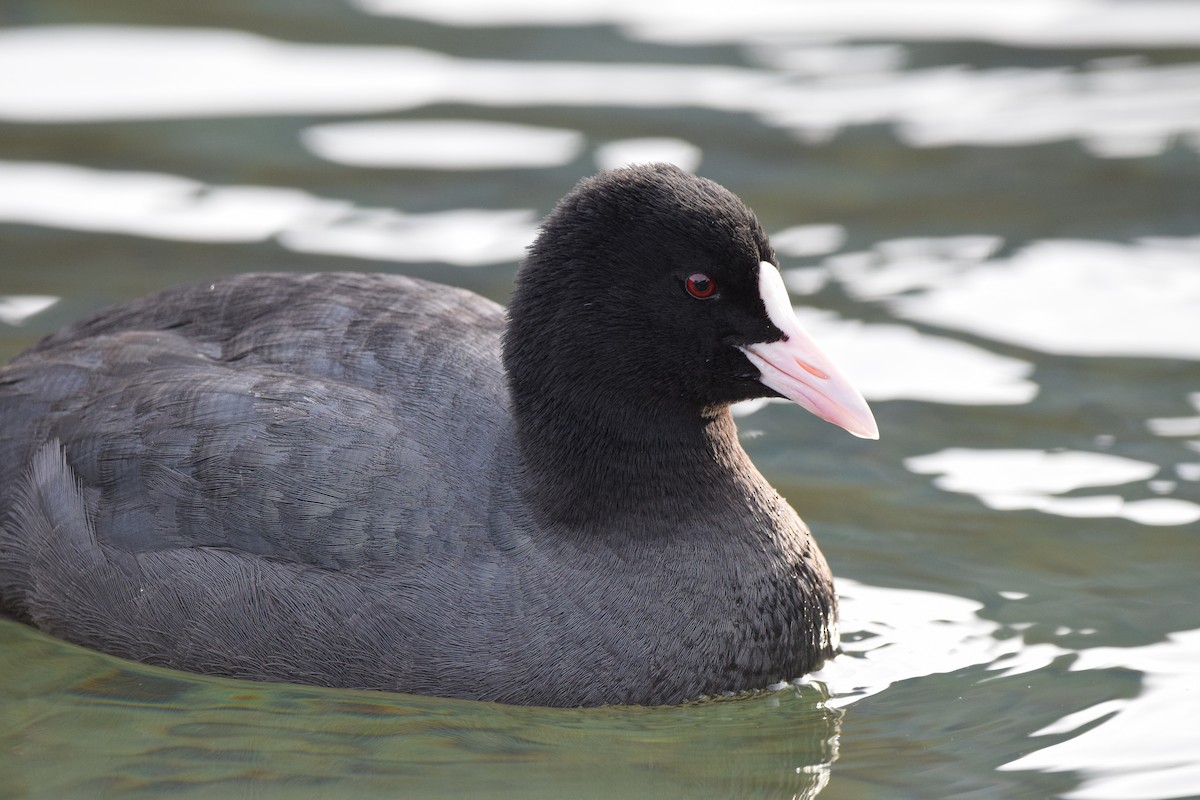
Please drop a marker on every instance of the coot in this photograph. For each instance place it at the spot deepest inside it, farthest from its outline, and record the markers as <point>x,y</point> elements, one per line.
<point>377,482</point>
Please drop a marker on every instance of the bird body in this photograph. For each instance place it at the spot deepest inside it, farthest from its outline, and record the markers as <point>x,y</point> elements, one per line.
<point>378,482</point>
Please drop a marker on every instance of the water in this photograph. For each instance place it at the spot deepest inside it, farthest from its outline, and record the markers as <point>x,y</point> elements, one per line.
<point>987,211</point>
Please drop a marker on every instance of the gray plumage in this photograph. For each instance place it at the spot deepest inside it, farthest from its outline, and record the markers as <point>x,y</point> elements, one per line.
<point>364,481</point>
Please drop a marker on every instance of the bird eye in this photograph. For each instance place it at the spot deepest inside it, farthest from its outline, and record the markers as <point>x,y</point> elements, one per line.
<point>701,286</point>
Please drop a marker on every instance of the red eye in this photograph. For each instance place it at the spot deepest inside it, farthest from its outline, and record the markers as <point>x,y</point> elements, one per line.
<point>700,286</point>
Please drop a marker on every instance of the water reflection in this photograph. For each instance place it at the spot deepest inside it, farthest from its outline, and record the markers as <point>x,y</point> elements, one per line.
<point>1034,479</point>
<point>1143,748</point>
<point>1116,107</point>
<point>187,735</point>
<point>1065,297</point>
<point>16,308</point>
<point>893,635</point>
<point>895,267</point>
<point>442,144</point>
<point>807,240</point>
<point>466,237</point>
<point>1074,297</point>
<point>173,207</point>
<point>94,73</point>
<point>1054,23</point>
<point>1178,426</point>
<point>889,361</point>
<point>618,153</point>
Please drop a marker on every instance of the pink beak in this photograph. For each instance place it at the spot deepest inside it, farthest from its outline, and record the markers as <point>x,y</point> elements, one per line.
<point>796,368</point>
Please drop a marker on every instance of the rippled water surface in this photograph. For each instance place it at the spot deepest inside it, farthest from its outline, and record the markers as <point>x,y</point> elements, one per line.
<point>987,210</point>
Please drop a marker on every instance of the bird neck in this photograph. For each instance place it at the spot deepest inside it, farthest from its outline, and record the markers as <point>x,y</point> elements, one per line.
<point>596,464</point>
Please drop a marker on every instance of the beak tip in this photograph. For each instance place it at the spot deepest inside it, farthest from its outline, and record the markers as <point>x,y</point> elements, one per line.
<point>871,433</point>
<point>864,426</point>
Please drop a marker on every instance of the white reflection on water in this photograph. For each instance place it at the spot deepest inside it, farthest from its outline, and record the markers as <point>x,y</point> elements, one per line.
<point>78,73</point>
<point>442,144</point>
<point>893,362</point>
<point>1066,297</point>
<point>898,634</point>
<point>889,361</point>
<point>172,207</point>
<point>1148,749</point>
<point>1174,426</point>
<point>1145,749</point>
<point>16,308</point>
<point>1118,108</point>
<point>1034,479</point>
<point>465,237</point>
<point>151,204</point>
<point>621,152</point>
<point>1054,23</point>
<point>896,266</point>
<point>1178,426</point>
<point>808,240</point>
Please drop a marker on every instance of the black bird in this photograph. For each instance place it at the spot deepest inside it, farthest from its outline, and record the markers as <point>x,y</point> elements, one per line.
<point>377,482</point>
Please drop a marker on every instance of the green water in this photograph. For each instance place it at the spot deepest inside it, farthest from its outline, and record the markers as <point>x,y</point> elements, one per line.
<point>138,732</point>
<point>998,237</point>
